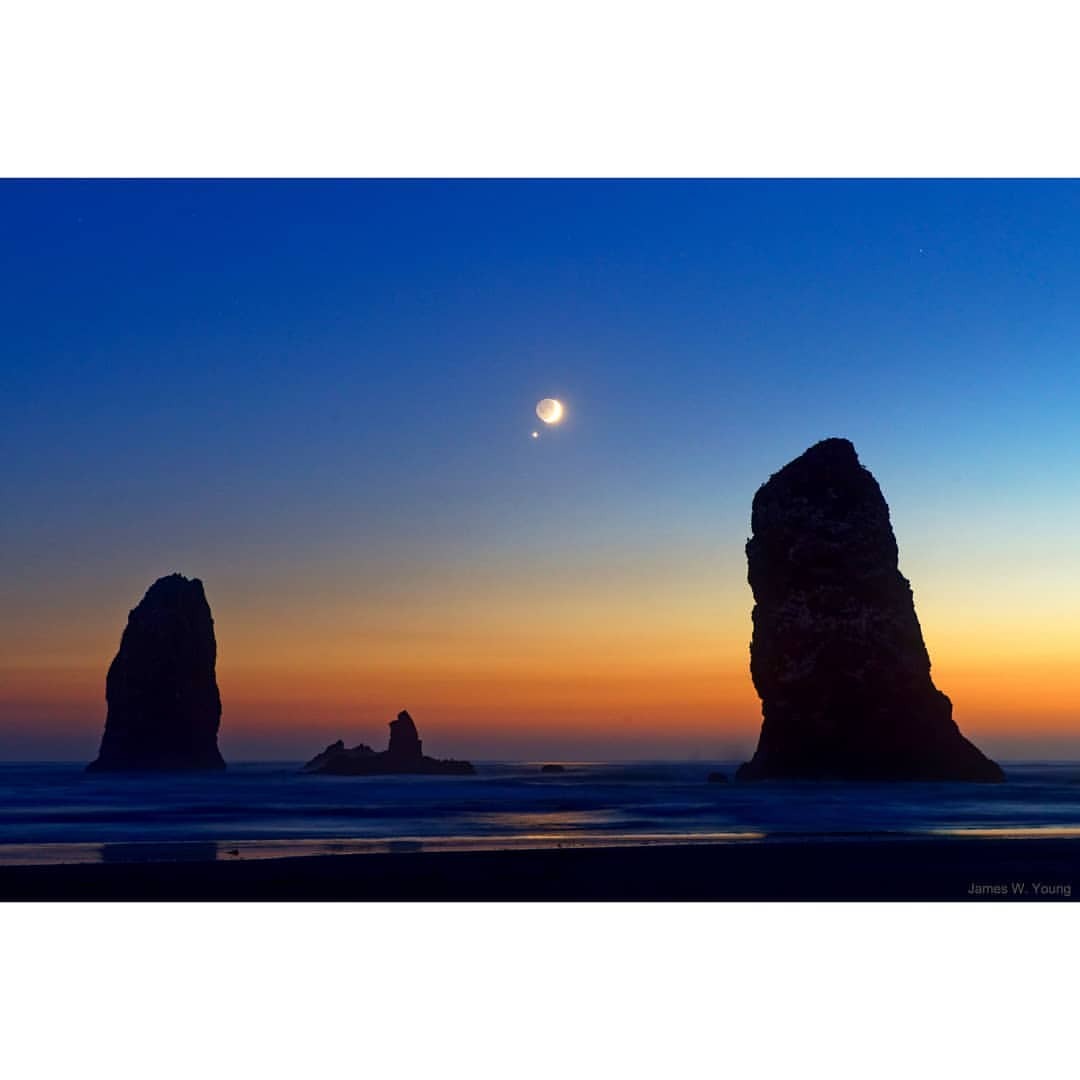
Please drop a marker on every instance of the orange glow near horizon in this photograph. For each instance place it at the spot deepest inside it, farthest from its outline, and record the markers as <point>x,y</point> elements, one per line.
<point>608,678</point>
<point>486,662</point>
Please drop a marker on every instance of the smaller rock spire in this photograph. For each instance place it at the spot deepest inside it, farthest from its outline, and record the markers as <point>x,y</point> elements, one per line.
<point>164,708</point>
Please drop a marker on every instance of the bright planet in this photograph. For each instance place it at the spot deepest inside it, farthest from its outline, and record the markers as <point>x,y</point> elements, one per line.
<point>549,410</point>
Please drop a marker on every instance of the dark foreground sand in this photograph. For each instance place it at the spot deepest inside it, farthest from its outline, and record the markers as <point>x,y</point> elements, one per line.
<point>916,869</point>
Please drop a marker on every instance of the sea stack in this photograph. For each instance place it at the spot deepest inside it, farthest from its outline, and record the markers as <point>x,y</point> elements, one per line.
<point>837,655</point>
<point>164,708</point>
<point>404,755</point>
<point>405,745</point>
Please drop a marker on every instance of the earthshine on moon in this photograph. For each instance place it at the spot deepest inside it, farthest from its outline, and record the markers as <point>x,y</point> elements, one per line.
<point>549,410</point>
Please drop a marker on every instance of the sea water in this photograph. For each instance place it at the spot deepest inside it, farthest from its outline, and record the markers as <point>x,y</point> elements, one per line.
<point>56,812</point>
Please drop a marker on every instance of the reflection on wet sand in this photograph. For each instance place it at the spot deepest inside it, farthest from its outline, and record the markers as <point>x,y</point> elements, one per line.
<point>1011,832</point>
<point>202,851</point>
<point>154,851</point>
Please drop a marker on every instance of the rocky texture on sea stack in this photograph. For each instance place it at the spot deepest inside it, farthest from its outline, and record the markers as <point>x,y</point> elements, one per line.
<point>164,708</point>
<point>403,755</point>
<point>837,654</point>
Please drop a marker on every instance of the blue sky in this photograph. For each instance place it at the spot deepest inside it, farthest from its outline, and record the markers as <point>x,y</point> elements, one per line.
<point>247,379</point>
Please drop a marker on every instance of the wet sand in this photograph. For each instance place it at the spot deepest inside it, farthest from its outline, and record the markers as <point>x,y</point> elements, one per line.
<point>946,868</point>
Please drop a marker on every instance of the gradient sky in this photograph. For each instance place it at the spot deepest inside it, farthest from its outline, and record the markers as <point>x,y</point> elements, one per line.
<point>318,397</point>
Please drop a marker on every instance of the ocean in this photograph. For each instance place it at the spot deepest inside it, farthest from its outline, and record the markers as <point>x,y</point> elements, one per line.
<point>54,812</point>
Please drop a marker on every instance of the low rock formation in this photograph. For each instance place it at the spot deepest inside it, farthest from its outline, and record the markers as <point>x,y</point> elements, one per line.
<point>403,755</point>
<point>837,655</point>
<point>332,759</point>
<point>552,768</point>
<point>164,708</point>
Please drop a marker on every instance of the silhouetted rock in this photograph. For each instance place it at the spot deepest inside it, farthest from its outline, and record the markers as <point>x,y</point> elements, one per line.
<point>164,708</point>
<point>403,755</point>
<point>335,756</point>
<point>837,655</point>
<point>405,745</point>
<point>717,778</point>
<point>552,768</point>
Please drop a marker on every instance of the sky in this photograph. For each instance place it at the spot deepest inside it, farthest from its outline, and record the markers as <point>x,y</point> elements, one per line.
<point>318,398</point>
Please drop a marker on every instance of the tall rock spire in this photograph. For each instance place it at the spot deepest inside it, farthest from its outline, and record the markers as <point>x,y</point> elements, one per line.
<point>837,654</point>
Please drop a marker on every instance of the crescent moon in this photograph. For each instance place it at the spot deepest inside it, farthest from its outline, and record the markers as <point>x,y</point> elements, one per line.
<point>549,410</point>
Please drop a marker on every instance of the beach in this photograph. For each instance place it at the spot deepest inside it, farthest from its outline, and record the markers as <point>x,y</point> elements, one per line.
<point>945,868</point>
<point>596,831</point>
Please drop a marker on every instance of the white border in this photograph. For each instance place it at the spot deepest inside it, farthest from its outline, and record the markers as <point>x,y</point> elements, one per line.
<point>561,88</point>
<point>542,991</point>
